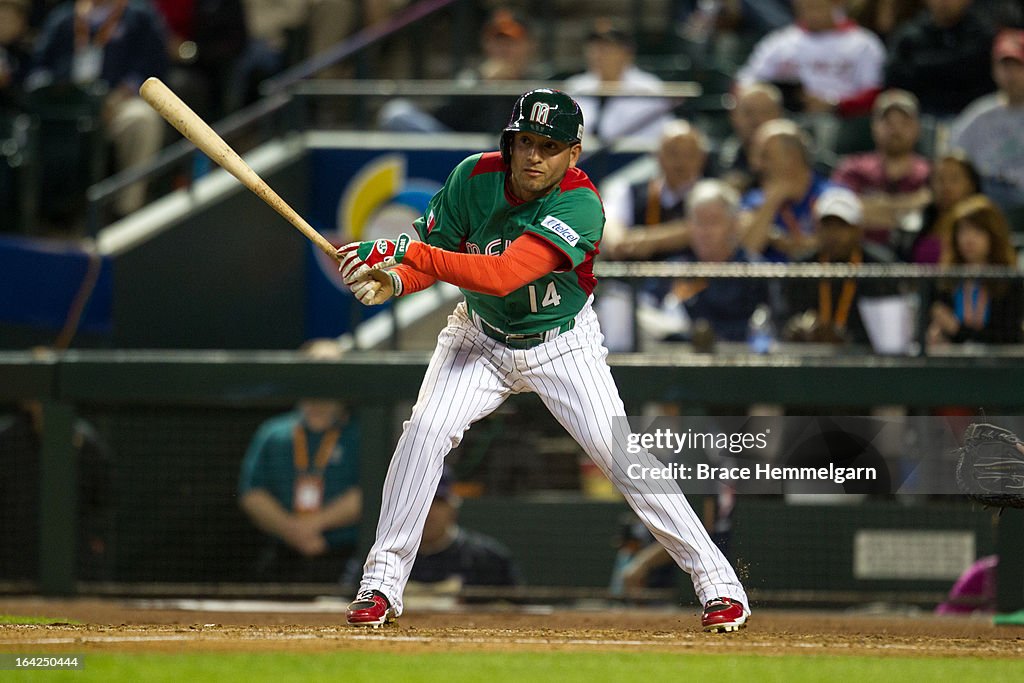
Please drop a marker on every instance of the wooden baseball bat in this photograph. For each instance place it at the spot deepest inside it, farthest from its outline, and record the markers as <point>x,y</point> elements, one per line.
<point>189,124</point>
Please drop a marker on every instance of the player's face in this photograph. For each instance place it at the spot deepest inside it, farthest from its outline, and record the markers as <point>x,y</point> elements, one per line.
<point>539,163</point>
<point>439,519</point>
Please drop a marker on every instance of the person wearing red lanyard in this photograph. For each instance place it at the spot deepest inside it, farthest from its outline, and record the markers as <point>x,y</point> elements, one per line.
<point>973,311</point>
<point>299,484</point>
<point>118,44</point>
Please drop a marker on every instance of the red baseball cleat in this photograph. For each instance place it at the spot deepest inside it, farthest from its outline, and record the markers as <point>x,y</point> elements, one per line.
<point>370,608</point>
<point>722,615</point>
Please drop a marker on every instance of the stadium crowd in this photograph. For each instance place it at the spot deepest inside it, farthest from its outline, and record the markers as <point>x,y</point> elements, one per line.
<point>915,106</point>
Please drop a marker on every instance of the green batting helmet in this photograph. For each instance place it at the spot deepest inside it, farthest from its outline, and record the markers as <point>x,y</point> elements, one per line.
<point>546,112</point>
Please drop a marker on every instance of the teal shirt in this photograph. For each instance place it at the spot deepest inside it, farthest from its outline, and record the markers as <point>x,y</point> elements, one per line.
<point>269,464</point>
<point>473,213</point>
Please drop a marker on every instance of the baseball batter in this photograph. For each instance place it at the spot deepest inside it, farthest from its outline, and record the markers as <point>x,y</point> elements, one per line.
<point>517,231</point>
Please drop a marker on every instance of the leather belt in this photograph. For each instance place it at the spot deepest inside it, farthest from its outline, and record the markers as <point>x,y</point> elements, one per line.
<point>520,341</point>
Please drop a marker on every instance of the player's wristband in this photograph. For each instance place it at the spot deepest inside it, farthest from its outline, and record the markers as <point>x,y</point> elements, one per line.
<point>396,282</point>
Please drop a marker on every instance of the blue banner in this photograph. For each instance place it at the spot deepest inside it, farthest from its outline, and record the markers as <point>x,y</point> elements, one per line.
<point>363,194</point>
<point>39,280</point>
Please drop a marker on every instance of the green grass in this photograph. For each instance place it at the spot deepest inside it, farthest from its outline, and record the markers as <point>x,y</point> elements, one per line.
<point>35,621</point>
<point>502,668</point>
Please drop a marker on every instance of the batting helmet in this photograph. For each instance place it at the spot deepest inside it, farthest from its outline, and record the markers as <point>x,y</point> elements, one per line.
<point>546,112</point>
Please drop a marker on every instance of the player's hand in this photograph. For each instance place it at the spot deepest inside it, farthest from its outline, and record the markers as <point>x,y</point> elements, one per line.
<point>369,285</point>
<point>373,287</point>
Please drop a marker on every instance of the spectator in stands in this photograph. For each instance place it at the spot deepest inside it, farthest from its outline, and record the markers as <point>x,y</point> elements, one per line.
<point>21,434</point>
<point>827,310</point>
<point>278,33</point>
<point>714,32</point>
<point>15,51</point>
<point>450,552</point>
<point>299,483</point>
<point>753,104</point>
<point>751,19</point>
<point>640,561</point>
<point>991,130</point>
<point>832,64</point>
<point>118,44</point>
<point>978,311</point>
<point>610,55</point>
<point>942,56</point>
<point>882,17</point>
<point>333,21</point>
<point>509,54</point>
<point>206,39</point>
<point>712,210</point>
<point>777,220</point>
<point>892,181</point>
<point>953,178</point>
<point>644,220</point>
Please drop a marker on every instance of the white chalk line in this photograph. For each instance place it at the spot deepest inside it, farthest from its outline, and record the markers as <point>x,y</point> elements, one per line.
<point>722,641</point>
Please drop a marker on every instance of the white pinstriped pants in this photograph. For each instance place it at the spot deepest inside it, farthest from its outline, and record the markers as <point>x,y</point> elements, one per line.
<point>468,377</point>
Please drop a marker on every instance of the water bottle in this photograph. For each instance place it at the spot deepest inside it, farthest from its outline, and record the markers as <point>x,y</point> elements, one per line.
<point>761,330</point>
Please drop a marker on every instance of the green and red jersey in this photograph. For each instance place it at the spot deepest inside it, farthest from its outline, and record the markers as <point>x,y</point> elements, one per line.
<point>474,213</point>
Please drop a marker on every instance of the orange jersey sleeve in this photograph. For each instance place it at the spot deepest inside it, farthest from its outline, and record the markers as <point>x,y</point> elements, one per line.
<point>526,259</point>
<point>412,280</point>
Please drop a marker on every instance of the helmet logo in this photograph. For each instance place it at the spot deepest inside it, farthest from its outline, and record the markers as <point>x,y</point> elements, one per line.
<point>539,113</point>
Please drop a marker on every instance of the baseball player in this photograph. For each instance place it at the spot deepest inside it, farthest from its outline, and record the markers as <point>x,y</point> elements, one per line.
<point>517,231</point>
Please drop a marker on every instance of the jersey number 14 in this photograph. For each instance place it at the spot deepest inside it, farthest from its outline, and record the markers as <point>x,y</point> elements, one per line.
<point>551,297</point>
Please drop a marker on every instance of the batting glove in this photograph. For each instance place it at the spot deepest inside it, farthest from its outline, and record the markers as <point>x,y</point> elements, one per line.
<point>375,254</point>
<point>383,253</point>
<point>371,287</point>
<point>374,287</point>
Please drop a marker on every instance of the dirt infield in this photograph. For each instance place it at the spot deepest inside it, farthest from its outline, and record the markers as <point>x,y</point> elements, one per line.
<point>114,626</point>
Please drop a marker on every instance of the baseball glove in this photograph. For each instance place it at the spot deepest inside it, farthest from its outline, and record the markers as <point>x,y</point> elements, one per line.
<point>990,468</point>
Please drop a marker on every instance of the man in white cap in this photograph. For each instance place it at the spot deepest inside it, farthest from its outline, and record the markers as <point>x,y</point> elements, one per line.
<point>826,310</point>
